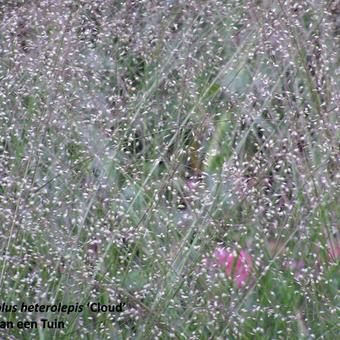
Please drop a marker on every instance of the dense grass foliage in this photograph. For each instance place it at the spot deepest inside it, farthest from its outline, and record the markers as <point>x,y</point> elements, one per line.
<point>181,157</point>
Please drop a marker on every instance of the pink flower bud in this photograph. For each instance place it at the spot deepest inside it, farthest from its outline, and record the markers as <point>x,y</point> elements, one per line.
<point>239,271</point>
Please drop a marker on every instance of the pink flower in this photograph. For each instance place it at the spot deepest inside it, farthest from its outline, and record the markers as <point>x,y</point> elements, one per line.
<point>240,271</point>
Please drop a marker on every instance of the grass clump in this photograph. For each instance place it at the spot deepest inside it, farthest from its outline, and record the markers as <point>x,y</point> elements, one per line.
<point>180,158</point>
